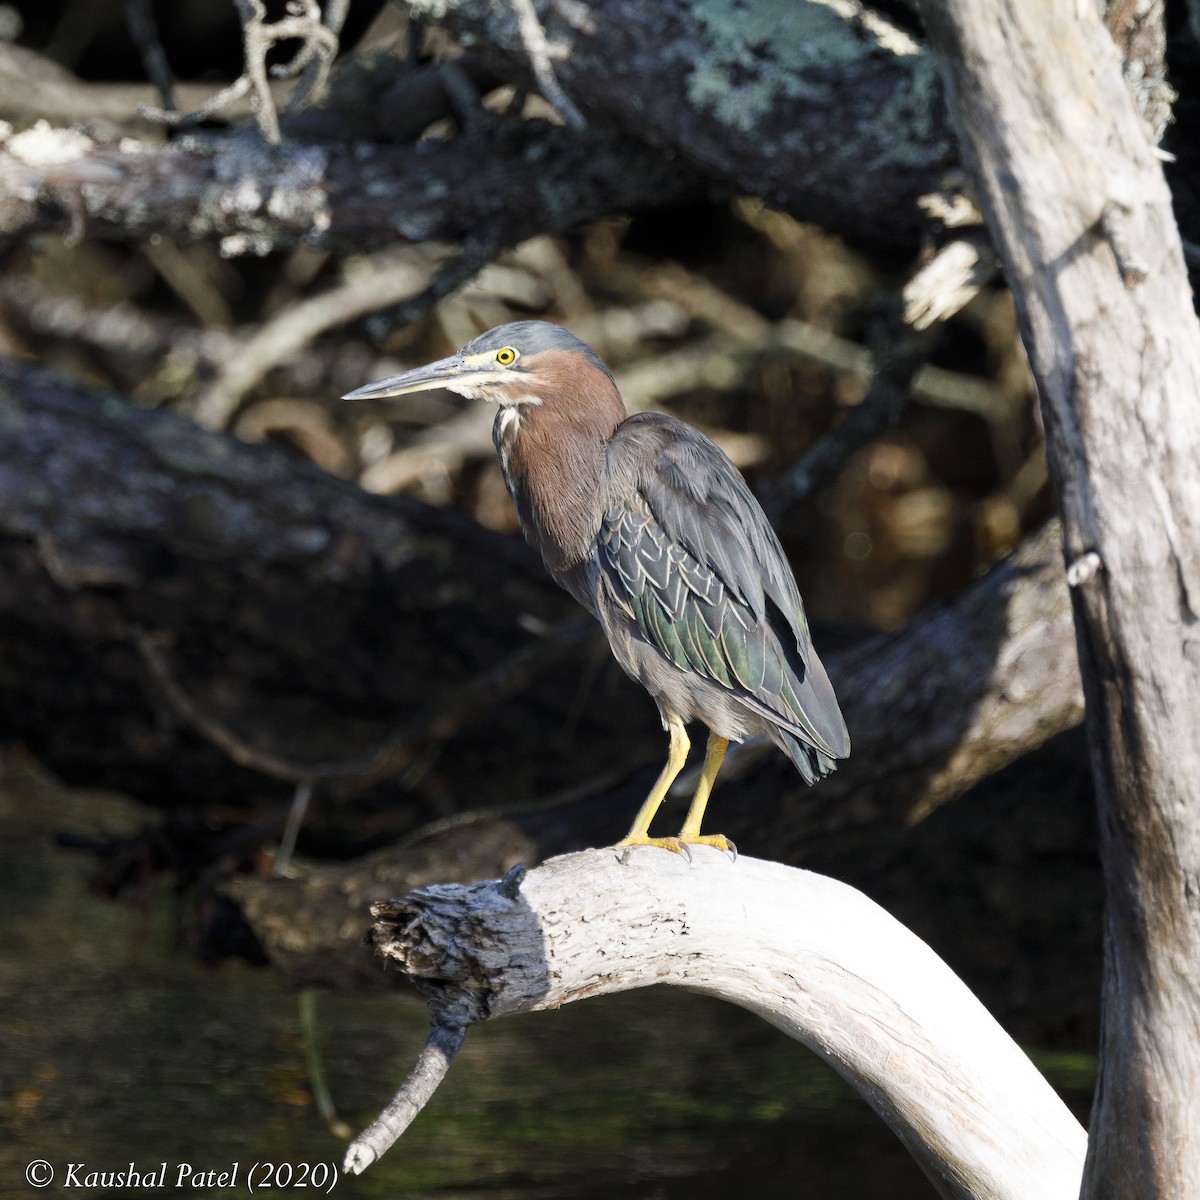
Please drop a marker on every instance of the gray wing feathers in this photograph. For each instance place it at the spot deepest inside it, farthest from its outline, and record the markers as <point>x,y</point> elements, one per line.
<point>686,552</point>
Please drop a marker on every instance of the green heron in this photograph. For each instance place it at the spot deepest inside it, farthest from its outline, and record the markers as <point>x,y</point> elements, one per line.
<point>648,525</point>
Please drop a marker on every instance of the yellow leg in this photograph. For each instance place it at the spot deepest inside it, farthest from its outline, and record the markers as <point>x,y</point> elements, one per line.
<point>690,833</point>
<point>639,833</point>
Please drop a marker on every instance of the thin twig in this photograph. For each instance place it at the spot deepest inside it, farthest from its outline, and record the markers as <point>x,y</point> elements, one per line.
<point>139,18</point>
<point>238,750</point>
<point>470,260</point>
<point>432,1064</point>
<point>223,99</point>
<point>511,676</point>
<point>317,72</point>
<point>538,50</point>
<point>318,45</point>
<point>508,678</point>
<point>317,1078</point>
<point>291,831</point>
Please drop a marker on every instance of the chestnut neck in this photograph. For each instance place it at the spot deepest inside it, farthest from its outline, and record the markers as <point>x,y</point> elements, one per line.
<point>553,456</point>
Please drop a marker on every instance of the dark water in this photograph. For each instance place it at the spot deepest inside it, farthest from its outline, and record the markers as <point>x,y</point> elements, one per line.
<point>117,1050</point>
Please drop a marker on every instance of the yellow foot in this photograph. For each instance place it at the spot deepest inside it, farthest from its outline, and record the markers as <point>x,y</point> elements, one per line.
<point>679,845</point>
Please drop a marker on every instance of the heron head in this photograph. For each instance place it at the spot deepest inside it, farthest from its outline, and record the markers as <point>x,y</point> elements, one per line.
<point>521,363</point>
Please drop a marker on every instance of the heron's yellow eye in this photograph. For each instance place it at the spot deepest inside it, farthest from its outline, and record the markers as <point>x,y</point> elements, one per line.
<point>507,356</point>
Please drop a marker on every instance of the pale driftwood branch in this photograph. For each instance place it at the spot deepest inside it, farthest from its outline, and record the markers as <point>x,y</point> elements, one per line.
<point>814,957</point>
<point>1082,218</point>
<point>432,1064</point>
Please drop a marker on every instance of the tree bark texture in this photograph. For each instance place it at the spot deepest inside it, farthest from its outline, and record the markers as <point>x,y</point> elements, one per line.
<point>496,187</point>
<point>307,617</point>
<point>683,97</point>
<point>318,620</point>
<point>1082,218</point>
<point>812,956</point>
<point>831,112</point>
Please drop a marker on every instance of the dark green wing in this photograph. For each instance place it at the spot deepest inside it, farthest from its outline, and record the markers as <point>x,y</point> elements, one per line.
<point>686,551</point>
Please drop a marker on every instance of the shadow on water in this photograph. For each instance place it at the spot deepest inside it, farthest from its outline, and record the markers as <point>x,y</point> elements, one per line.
<point>119,1050</point>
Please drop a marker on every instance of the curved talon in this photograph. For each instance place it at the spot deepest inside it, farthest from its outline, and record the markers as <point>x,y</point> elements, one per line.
<point>674,844</point>
<point>680,844</point>
<point>718,840</point>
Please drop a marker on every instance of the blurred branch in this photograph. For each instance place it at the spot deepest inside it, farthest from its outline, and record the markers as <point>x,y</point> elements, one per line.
<point>901,351</point>
<point>318,45</point>
<point>949,281</point>
<point>166,356</point>
<point>143,29</point>
<point>144,521</point>
<point>316,71</point>
<point>662,73</point>
<point>539,50</point>
<point>998,665</point>
<point>662,85</point>
<point>34,88</point>
<point>904,339</point>
<point>372,284</point>
<point>255,198</point>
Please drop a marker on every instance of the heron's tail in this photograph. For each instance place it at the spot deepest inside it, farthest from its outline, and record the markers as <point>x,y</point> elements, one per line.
<point>813,764</point>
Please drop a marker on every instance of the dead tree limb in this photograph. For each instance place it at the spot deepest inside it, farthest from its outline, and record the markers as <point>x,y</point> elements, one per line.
<point>662,76</point>
<point>751,94</point>
<point>507,184</point>
<point>320,624</point>
<point>812,956</point>
<point>1082,218</point>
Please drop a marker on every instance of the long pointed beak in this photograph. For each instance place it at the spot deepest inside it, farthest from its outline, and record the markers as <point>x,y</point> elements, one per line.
<point>443,373</point>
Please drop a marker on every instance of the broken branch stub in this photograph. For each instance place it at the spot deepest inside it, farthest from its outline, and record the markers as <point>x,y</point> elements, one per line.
<point>811,955</point>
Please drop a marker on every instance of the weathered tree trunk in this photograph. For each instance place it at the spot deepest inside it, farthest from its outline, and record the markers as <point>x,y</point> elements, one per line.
<point>1081,216</point>
<point>809,954</point>
<point>312,621</point>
